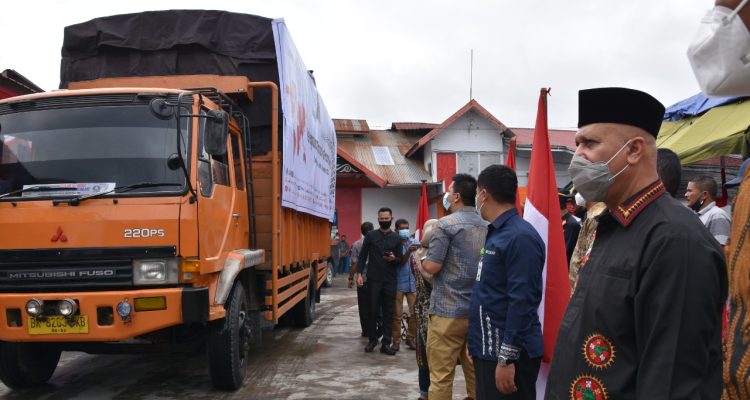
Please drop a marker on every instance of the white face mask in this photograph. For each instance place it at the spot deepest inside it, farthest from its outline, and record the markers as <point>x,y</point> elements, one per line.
<point>720,53</point>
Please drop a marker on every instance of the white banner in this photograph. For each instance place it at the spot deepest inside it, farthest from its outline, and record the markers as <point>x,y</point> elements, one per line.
<point>309,138</point>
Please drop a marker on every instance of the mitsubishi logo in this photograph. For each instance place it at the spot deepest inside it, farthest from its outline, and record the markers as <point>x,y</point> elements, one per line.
<point>59,235</point>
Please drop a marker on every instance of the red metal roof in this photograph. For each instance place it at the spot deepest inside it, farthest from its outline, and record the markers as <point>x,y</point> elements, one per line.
<point>356,126</point>
<point>558,138</point>
<point>471,105</point>
<point>412,126</point>
<point>14,84</point>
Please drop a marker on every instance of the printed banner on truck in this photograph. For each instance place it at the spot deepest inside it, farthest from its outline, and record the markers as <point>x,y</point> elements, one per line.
<point>309,139</point>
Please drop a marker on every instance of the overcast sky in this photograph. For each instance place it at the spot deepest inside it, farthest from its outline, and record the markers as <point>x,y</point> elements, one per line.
<point>403,60</point>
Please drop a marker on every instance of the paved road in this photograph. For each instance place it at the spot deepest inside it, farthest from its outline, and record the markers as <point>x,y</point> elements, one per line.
<point>324,361</point>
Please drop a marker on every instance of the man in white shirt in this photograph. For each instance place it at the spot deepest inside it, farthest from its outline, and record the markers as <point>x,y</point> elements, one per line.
<point>701,195</point>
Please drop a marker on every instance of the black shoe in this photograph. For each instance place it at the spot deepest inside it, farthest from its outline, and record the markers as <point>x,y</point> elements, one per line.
<point>386,349</point>
<point>370,347</point>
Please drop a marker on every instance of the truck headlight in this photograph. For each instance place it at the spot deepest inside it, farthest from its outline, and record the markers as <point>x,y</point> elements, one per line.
<point>155,272</point>
<point>67,307</point>
<point>34,307</point>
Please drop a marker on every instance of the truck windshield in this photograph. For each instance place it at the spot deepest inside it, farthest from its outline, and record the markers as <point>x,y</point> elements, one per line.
<point>89,147</point>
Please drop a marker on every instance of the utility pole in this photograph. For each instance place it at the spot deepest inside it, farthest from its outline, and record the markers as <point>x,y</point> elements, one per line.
<point>471,75</point>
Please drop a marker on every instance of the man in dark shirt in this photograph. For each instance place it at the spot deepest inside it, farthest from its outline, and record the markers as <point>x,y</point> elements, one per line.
<point>505,334</point>
<point>571,226</point>
<point>381,254</point>
<point>645,319</point>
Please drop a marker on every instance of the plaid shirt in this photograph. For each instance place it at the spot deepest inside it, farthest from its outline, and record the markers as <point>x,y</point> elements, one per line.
<point>456,244</point>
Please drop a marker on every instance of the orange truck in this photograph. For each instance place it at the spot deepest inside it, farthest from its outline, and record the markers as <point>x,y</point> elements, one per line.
<point>143,211</point>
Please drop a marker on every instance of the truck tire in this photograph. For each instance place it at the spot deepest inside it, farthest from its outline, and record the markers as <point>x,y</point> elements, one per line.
<point>329,275</point>
<point>26,365</point>
<point>303,313</point>
<point>229,342</point>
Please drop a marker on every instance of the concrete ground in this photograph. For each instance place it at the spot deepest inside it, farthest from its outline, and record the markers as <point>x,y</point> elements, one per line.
<point>323,361</point>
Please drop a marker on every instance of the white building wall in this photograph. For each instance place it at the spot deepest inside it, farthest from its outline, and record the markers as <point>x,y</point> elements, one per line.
<point>403,202</point>
<point>471,132</point>
<point>560,158</point>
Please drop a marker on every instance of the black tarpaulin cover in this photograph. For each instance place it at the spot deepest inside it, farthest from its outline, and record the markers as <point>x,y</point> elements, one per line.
<point>177,42</point>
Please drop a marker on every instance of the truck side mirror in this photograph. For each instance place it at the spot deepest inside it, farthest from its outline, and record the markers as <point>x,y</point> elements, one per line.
<point>217,128</point>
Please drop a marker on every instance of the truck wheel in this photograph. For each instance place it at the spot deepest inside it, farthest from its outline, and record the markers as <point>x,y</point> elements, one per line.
<point>26,365</point>
<point>303,313</point>
<point>329,275</point>
<point>229,343</point>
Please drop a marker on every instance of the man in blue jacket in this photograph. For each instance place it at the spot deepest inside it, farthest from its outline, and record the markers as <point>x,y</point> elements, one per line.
<point>505,335</point>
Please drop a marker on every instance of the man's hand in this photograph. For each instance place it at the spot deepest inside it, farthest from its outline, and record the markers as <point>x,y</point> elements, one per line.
<point>505,378</point>
<point>389,257</point>
<point>360,280</point>
<point>468,356</point>
<point>413,247</point>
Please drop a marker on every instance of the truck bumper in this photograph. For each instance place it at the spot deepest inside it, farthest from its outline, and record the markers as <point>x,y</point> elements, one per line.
<point>182,305</point>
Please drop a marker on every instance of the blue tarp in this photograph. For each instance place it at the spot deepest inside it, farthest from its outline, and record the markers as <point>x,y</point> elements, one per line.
<point>694,105</point>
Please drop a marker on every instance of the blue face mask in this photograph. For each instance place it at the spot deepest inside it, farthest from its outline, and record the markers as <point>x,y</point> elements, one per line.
<point>404,233</point>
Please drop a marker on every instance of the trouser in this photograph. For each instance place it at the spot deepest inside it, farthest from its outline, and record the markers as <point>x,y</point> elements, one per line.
<point>446,343</point>
<point>363,303</point>
<point>526,373</point>
<point>424,381</point>
<point>382,297</point>
<point>398,314</point>
<point>343,264</point>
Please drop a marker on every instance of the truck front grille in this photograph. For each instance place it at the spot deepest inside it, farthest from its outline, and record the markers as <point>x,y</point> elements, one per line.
<point>72,269</point>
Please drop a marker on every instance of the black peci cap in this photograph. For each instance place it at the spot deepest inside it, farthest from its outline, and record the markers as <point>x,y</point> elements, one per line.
<point>620,106</point>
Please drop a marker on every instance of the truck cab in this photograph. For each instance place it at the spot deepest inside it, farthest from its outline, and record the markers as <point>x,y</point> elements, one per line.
<point>129,218</point>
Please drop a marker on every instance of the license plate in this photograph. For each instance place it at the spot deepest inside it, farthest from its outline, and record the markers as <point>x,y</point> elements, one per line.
<point>58,325</point>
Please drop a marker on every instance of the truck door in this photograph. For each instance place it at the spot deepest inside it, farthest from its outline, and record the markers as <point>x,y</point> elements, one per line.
<point>215,208</point>
<point>240,215</point>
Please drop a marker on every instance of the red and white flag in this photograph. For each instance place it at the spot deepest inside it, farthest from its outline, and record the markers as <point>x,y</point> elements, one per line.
<point>543,212</point>
<point>423,213</point>
<point>510,162</point>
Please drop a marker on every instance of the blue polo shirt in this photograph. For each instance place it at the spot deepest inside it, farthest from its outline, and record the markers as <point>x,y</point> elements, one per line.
<point>405,280</point>
<point>503,317</point>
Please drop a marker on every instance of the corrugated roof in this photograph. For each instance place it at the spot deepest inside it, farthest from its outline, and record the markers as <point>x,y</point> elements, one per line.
<point>356,126</point>
<point>558,138</point>
<point>404,171</point>
<point>412,126</point>
<point>471,105</point>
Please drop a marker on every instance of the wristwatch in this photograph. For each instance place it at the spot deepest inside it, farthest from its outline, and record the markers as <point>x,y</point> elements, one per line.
<point>505,361</point>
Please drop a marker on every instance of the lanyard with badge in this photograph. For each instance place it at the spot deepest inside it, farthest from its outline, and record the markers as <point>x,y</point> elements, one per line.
<point>479,267</point>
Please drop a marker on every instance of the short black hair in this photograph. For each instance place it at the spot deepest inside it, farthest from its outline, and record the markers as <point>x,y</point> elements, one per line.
<point>706,183</point>
<point>385,209</point>
<point>500,182</point>
<point>466,186</point>
<point>400,222</point>
<point>366,227</point>
<point>669,169</point>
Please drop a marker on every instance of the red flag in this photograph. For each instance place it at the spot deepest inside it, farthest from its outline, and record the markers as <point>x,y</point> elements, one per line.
<point>423,213</point>
<point>543,212</point>
<point>510,162</point>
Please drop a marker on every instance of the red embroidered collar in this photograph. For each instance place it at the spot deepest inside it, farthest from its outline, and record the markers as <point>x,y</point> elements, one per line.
<point>625,213</point>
